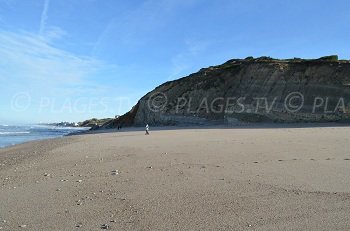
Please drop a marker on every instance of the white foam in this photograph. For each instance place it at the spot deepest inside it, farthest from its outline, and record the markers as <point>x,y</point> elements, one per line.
<point>10,133</point>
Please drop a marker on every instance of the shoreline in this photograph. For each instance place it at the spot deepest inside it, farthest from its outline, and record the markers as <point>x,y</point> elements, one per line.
<point>208,178</point>
<point>171,128</point>
<point>18,134</point>
<point>238,126</point>
<point>165,128</point>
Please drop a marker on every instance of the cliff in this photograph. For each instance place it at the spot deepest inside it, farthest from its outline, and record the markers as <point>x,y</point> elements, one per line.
<point>249,90</point>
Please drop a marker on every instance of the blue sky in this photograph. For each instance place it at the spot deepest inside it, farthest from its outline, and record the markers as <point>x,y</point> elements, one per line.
<point>77,59</point>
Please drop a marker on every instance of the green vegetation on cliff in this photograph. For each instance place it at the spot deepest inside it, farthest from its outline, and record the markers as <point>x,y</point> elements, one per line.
<point>94,122</point>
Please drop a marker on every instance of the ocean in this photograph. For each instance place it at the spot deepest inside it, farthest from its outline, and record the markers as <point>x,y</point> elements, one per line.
<point>16,134</point>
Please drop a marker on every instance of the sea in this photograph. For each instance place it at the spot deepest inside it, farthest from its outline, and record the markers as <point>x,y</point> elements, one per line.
<point>17,134</point>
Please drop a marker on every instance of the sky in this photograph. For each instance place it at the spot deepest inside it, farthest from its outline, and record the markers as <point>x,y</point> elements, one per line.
<point>70,60</point>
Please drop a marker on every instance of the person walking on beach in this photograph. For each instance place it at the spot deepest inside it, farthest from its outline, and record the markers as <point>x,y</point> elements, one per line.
<point>147,129</point>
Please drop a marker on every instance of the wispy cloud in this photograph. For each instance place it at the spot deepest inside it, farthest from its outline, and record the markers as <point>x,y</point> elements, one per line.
<point>180,62</point>
<point>34,66</point>
<point>49,32</point>
<point>44,17</point>
<point>145,20</point>
<point>28,60</point>
<point>53,33</point>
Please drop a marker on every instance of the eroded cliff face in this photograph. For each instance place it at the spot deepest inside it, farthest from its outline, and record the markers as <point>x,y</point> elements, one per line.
<point>250,90</point>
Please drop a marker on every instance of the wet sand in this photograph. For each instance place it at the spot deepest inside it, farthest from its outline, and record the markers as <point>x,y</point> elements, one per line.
<point>189,179</point>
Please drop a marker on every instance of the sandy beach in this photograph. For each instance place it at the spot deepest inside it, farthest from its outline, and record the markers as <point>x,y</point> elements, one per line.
<point>187,179</point>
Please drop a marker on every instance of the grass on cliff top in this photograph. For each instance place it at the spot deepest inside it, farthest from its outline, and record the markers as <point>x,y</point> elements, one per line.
<point>330,58</point>
<point>268,59</point>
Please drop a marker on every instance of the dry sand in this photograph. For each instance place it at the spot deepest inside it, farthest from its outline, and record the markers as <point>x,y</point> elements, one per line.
<point>194,179</point>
